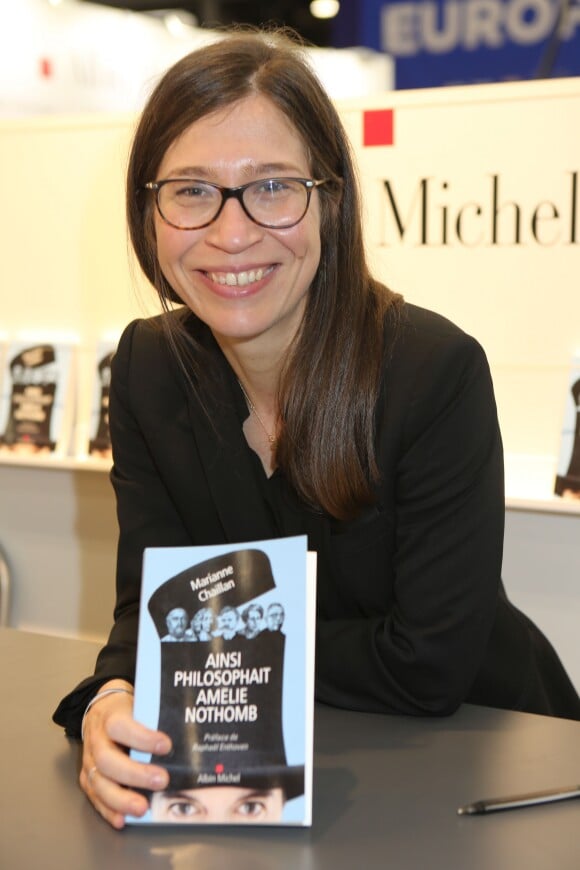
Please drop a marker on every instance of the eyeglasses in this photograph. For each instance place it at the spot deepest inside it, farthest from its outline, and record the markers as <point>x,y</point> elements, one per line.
<point>275,203</point>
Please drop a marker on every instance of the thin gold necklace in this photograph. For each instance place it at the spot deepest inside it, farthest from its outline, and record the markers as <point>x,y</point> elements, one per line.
<point>271,438</point>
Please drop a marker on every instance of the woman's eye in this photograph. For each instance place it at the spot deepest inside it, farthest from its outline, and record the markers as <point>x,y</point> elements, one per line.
<point>191,192</point>
<point>273,186</point>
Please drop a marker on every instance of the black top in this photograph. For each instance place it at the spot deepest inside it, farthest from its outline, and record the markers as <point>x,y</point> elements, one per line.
<point>412,616</point>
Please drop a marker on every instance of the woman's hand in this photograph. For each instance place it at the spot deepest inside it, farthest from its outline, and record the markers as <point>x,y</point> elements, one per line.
<point>108,774</point>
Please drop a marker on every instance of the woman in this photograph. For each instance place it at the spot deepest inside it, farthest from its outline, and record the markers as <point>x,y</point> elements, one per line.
<point>291,393</point>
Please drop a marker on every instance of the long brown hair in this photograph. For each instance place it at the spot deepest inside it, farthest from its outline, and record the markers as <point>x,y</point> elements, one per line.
<point>329,387</point>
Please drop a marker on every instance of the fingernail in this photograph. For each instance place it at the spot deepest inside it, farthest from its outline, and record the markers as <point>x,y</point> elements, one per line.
<point>158,780</point>
<point>161,747</point>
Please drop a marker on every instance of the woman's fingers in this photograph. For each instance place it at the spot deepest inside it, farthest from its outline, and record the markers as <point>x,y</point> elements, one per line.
<point>111,800</point>
<point>109,775</point>
<point>116,765</point>
<point>125,731</point>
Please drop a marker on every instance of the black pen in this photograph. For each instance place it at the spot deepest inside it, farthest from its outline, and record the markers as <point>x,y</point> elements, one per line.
<point>493,805</point>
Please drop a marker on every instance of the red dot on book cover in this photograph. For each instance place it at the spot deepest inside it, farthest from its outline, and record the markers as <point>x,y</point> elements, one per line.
<point>219,768</point>
<point>378,127</point>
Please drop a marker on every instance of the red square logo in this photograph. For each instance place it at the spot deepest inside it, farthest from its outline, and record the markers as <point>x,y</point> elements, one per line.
<point>45,67</point>
<point>378,127</point>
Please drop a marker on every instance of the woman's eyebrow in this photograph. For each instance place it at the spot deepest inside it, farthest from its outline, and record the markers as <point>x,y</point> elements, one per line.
<point>249,169</point>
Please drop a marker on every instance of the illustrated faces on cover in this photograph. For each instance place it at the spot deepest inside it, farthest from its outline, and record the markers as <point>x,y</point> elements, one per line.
<point>177,622</point>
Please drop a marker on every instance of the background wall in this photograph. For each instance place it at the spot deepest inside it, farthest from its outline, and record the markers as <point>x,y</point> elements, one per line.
<point>473,210</point>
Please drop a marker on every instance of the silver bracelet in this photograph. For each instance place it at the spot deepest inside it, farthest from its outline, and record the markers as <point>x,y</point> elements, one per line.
<point>98,698</point>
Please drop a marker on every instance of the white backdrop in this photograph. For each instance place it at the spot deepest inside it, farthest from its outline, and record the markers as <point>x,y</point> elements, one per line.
<point>474,211</point>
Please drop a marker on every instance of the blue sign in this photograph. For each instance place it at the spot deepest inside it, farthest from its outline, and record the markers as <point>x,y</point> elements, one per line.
<point>445,42</point>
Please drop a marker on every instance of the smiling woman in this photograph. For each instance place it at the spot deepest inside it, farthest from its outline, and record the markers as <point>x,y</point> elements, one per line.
<point>231,122</point>
<point>245,280</point>
<point>284,391</point>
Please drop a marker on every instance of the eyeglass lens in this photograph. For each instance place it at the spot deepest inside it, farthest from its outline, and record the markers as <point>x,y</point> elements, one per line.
<point>273,202</point>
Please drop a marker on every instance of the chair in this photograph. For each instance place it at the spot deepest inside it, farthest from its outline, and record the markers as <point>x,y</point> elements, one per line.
<point>4,590</point>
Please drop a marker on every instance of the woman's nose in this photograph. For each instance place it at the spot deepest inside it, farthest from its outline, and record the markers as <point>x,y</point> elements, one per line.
<point>233,230</point>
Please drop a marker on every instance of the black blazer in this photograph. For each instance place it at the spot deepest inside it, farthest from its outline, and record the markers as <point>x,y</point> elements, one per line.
<point>412,614</point>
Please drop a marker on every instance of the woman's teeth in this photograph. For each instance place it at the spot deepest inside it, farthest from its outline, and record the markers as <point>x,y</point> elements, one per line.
<point>239,279</point>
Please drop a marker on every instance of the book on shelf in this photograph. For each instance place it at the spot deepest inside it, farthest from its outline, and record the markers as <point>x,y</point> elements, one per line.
<point>567,484</point>
<point>3,346</point>
<point>225,666</point>
<point>37,397</point>
<point>95,439</point>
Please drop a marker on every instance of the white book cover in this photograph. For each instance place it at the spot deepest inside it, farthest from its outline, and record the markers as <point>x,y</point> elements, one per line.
<point>37,396</point>
<point>568,472</point>
<point>225,666</point>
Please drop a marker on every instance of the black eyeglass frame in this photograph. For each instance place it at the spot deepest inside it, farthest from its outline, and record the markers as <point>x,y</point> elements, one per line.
<point>309,185</point>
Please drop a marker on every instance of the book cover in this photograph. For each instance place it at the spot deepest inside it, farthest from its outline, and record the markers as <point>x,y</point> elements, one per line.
<point>36,402</point>
<point>99,439</point>
<point>567,483</point>
<point>225,666</point>
<point>3,347</point>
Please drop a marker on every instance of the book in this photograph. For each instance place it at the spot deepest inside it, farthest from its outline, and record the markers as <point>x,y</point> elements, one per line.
<point>99,439</point>
<point>37,399</point>
<point>225,666</point>
<point>567,484</point>
<point>3,346</point>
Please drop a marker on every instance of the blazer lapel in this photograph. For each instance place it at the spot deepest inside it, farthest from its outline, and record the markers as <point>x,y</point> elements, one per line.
<point>230,473</point>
